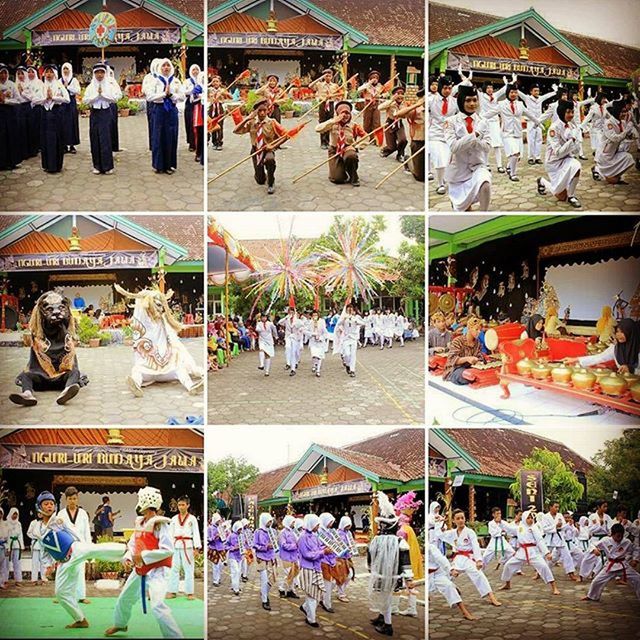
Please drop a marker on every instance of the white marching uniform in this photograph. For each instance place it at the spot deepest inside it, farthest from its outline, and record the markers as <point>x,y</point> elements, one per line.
<point>612,159</point>
<point>387,324</point>
<point>531,550</point>
<point>293,335</point>
<point>267,336</point>
<point>619,554</point>
<point>534,131</point>
<point>490,115</point>
<point>598,529</point>
<point>186,538</point>
<point>560,160</point>
<point>511,114</point>
<point>317,335</point>
<point>156,583</point>
<point>552,528</point>
<point>498,547</point>
<point>468,169</point>
<point>439,576</point>
<point>466,553</point>
<point>377,328</point>
<point>400,327</point>
<point>595,122</point>
<point>81,527</point>
<point>349,332</point>
<point>35,532</point>
<point>439,154</point>
<point>369,328</point>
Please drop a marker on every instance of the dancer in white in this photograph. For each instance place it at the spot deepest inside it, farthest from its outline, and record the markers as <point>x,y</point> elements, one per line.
<point>369,328</point>
<point>439,580</point>
<point>185,534</point>
<point>267,336</point>
<point>346,337</point>
<point>595,123</point>
<point>533,102</point>
<point>441,106</point>
<point>613,158</point>
<point>400,327</point>
<point>488,98</point>
<point>293,334</point>
<point>149,554</point>
<point>317,333</point>
<point>388,323</point>
<point>577,106</point>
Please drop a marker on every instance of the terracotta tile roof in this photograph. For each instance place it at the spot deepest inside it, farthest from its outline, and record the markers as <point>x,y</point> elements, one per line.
<point>185,230</point>
<point>384,22</point>
<point>500,451</point>
<point>8,220</point>
<point>242,23</point>
<point>617,61</point>
<point>12,12</point>
<point>396,455</point>
<point>494,47</point>
<point>172,437</point>
<point>71,19</point>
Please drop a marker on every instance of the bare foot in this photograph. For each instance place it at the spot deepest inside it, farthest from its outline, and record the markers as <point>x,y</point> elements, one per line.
<point>465,612</point>
<point>113,630</point>
<point>191,597</point>
<point>587,598</point>
<point>170,596</point>
<point>556,592</point>
<point>85,601</point>
<point>494,601</point>
<point>80,624</point>
<point>572,577</point>
<point>537,576</point>
<point>505,587</point>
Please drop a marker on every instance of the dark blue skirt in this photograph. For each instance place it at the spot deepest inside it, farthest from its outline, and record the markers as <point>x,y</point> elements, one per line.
<point>51,140</point>
<point>164,150</point>
<point>115,133</point>
<point>70,123</point>
<point>10,154</point>
<point>101,140</point>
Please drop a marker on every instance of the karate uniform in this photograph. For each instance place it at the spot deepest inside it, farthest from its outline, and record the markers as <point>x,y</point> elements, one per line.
<point>293,335</point>
<point>570,535</point>
<point>613,159</point>
<point>15,544</point>
<point>560,160</point>
<point>185,534</point>
<point>35,532</point>
<point>598,529</point>
<point>4,561</point>
<point>439,576</point>
<point>51,133</point>
<point>531,550</point>
<point>466,553</point>
<point>534,131</point>
<point>349,331</point>
<point>100,96</point>
<point>469,141</point>
<point>498,547</point>
<point>555,541</point>
<point>82,530</point>
<point>619,555</point>
<point>155,582</point>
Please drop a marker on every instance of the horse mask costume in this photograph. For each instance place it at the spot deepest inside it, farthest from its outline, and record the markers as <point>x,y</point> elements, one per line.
<point>53,364</point>
<point>159,355</point>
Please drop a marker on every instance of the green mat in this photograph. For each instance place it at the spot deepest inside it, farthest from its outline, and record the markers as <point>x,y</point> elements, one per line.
<point>41,618</point>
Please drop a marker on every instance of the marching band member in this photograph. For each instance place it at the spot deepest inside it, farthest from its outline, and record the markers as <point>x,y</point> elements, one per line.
<point>346,338</point>
<point>395,136</point>
<point>561,160</point>
<point>497,547</point>
<point>216,552</point>
<point>247,558</point>
<point>185,534</point>
<point>266,562</point>
<point>193,94</point>
<point>327,92</point>
<point>149,553</point>
<point>613,157</point>
<point>312,552</point>
<point>531,550</point>
<point>10,152</point>
<point>99,96</point>
<point>318,335</point>
<point>467,556</point>
<point>70,116</point>
<point>552,525</point>
<point>330,573</point>
<point>344,531</point>
<point>234,556</point>
<point>290,558</point>
<point>440,570</point>
<point>293,336</point>
<point>267,336</point>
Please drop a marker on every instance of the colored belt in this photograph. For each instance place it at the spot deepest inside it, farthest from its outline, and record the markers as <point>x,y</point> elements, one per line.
<point>620,561</point>
<point>184,546</point>
<point>526,546</point>
<point>468,554</point>
<point>495,545</point>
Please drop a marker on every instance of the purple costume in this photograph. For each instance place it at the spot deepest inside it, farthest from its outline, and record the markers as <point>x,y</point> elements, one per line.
<point>288,546</point>
<point>261,544</point>
<point>311,551</point>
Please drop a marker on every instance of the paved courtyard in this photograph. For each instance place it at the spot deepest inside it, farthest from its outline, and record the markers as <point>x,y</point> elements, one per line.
<point>238,191</point>
<point>530,612</point>
<point>242,618</point>
<point>523,195</point>
<point>133,187</point>
<point>388,389</point>
<point>106,399</point>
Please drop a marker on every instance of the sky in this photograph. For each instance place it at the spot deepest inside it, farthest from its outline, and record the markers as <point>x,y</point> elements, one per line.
<point>305,225</point>
<point>614,20</point>
<point>271,447</point>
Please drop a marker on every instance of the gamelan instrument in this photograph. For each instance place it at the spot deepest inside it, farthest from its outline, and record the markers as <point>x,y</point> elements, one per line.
<point>333,542</point>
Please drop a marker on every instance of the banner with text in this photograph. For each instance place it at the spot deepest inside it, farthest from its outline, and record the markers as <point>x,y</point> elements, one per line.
<point>80,261</point>
<point>507,67</point>
<point>531,490</point>
<point>275,41</point>
<point>123,36</point>
<point>331,490</point>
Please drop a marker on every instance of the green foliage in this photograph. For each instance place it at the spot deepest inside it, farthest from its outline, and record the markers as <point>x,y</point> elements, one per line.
<point>413,227</point>
<point>127,332</point>
<point>559,483</point>
<point>105,338</point>
<point>252,98</point>
<point>410,268</point>
<point>230,475</point>
<point>375,225</point>
<point>616,468</point>
<point>87,329</point>
<point>123,103</point>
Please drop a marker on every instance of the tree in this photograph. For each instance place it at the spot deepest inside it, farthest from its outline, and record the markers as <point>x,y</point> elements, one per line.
<point>616,468</point>
<point>410,269</point>
<point>559,483</point>
<point>328,240</point>
<point>414,227</point>
<point>230,475</point>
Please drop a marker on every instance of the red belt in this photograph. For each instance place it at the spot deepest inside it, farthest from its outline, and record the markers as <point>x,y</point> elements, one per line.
<point>620,560</point>
<point>468,554</point>
<point>526,546</point>
<point>184,546</point>
<point>432,570</point>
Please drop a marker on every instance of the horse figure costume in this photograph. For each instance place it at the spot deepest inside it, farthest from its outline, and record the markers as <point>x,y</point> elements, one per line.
<point>53,365</point>
<point>159,355</point>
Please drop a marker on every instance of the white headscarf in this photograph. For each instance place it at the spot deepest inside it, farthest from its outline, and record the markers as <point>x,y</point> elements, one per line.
<point>298,524</point>
<point>14,525</point>
<point>215,518</point>
<point>345,522</point>
<point>326,520</point>
<point>162,63</point>
<point>197,75</point>
<point>245,522</point>
<point>237,525</point>
<point>67,67</point>
<point>584,521</point>
<point>433,506</point>
<point>265,519</point>
<point>288,521</point>
<point>310,522</point>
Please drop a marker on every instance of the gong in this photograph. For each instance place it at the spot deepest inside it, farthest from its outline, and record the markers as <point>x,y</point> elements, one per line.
<point>446,302</point>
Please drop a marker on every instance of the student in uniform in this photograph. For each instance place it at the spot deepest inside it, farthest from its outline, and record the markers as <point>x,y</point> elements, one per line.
<point>469,140</point>
<point>440,570</point>
<point>318,334</point>
<point>32,90</point>
<point>497,546</point>
<point>15,544</point>
<point>600,523</point>
<point>570,533</point>
<point>613,158</point>
<point>185,534</point>
<point>267,336</point>
<point>395,136</point>
<point>217,94</point>
<point>147,87</point>
<point>290,558</point>
<point>113,107</point>
<point>415,117</point>
<point>487,99</point>
<point>70,122</point>
<point>293,337</point>
<point>23,111</point>
<point>561,161</point>
<point>265,557</point>
<point>533,102</point>
<point>346,336</point>
<point>275,96</point>
<point>35,532</point>
<point>234,556</point>
<point>327,93</point>
<point>165,92</point>
<point>372,92</point>
<point>312,551</point>
<point>441,107</point>
<point>552,524</point>
<point>199,118</point>
<point>595,123</point>
<point>193,93</point>
<point>10,150</point>
<point>99,96</point>
<point>51,98</point>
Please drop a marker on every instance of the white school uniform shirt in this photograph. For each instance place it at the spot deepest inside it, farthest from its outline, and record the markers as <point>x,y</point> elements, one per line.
<point>466,540</point>
<point>32,89</point>
<point>10,91</point>
<point>511,121</point>
<point>400,325</point>
<point>562,142</point>
<point>350,326</point>
<point>317,332</point>
<point>576,109</point>
<point>377,323</point>
<point>21,87</point>
<point>552,535</point>
<point>468,150</point>
<point>526,534</point>
<point>100,100</point>
<point>596,118</point>
<point>293,328</point>
<point>72,86</point>
<point>388,324</point>
<point>486,103</point>
<point>189,86</point>
<point>35,532</point>
<point>157,90</point>
<point>436,119</point>
<point>81,527</point>
<point>188,530</point>
<point>266,337</point>
<point>59,95</point>
<point>534,105</point>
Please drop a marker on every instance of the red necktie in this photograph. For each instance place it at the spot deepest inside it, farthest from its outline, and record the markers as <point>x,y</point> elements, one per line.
<point>445,106</point>
<point>491,98</point>
<point>260,143</point>
<point>469,121</point>
<point>513,108</point>
<point>341,145</point>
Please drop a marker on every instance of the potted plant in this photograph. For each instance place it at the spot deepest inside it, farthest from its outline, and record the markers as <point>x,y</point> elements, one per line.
<point>134,108</point>
<point>287,108</point>
<point>84,109</point>
<point>105,338</point>
<point>127,336</point>
<point>108,569</point>
<point>123,107</point>
<point>88,332</point>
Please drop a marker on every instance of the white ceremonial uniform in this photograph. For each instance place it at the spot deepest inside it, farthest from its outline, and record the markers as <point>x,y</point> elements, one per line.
<point>570,534</point>
<point>466,553</point>
<point>35,532</point>
<point>531,550</point>
<point>186,538</point>
<point>349,327</point>
<point>468,169</point>
<point>598,529</point>
<point>369,328</point>
<point>156,584</point>
<point>595,122</point>
<point>577,119</point>
<point>534,131</point>
<point>293,334</point>
<point>317,335</point>
<point>438,149</point>
<point>619,555</point>
<point>388,324</point>
<point>560,160</point>
<point>497,547</point>
<point>81,527</point>
<point>552,526</point>
<point>377,328</point>
<point>511,114</point>
<point>440,576</point>
<point>612,159</point>
<point>486,111</point>
<point>59,95</point>
<point>400,327</point>
<point>266,337</point>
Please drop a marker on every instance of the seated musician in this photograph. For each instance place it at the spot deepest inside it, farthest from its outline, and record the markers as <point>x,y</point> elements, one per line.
<point>625,351</point>
<point>464,351</point>
<point>535,329</point>
<point>439,335</point>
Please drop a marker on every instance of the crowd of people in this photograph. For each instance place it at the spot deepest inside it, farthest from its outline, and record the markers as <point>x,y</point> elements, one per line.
<point>467,124</point>
<point>344,333</point>
<point>39,114</point>
<point>310,558</point>
<point>592,548</point>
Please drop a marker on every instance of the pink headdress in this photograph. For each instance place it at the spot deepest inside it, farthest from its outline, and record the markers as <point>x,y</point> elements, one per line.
<point>406,504</point>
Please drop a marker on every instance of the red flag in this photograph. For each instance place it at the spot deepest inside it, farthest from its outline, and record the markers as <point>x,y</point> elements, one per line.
<point>214,123</point>
<point>292,133</point>
<point>237,116</point>
<point>379,136</point>
<point>297,82</point>
<point>353,80</point>
<point>245,74</point>
<point>387,86</point>
<point>292,302</point>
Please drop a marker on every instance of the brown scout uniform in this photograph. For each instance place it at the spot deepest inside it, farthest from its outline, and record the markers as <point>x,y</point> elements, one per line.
<point>395,137</point>
<point>216,96</point>
<point>328,93</point>
<point>372,95</point>
<point>264,164</point>
<point>274,96</point>
<point>343,169</point>
<point>416,130</point>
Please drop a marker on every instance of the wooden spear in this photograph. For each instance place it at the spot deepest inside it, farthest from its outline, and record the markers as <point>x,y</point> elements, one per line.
<point>413,155</point>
